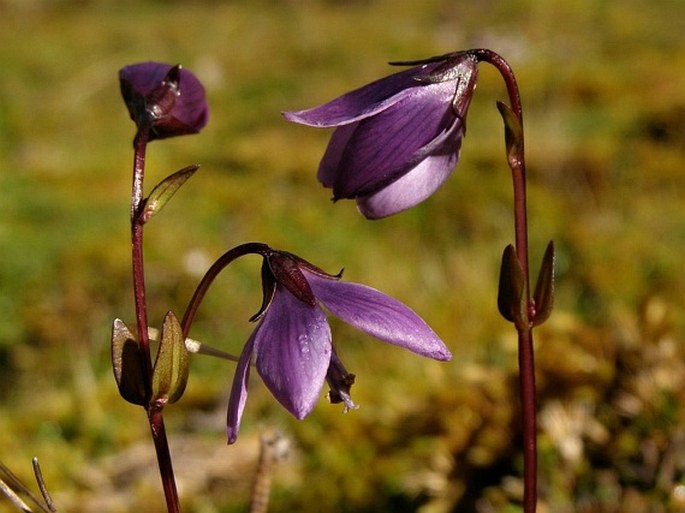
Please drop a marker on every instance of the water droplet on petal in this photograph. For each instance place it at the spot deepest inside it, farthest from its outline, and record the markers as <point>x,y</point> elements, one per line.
<point>303,341</point>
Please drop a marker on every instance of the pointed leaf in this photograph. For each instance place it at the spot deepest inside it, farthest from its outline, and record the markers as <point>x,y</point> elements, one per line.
<point>544,288</point>
<point>513,134</point>
<point>170,373</point>
<point>164,190</point>
<point>511,297</point>
<point>128,370</point>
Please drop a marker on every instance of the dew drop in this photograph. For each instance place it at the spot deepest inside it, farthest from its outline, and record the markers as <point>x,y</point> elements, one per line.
<point>303,341</point>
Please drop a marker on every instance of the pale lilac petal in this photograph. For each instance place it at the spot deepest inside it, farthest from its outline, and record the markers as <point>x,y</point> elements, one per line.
<point>236,402</point>
<point>292,351</point>
<point>379,315</point>
<point>410,190</point>
<point>363,102</point>
<point>387,145</point>
<point>419,183</point>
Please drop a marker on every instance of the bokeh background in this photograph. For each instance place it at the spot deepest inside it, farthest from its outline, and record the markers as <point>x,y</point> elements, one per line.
<point>602,85</point>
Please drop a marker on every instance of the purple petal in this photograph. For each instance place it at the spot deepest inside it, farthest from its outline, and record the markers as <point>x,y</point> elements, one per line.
<point>236,402</point>
<point>387,145</point>
<point>360,103</point>
<point>191,106</point>
<point>142,78</point>
<point>410,190</point>
<point>419,183</point>
<point>330,162</point>
<point>379,315</point>
<point>292,352</point>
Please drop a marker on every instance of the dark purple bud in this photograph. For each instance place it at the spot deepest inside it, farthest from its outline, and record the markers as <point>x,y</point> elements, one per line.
<point>166,99</point>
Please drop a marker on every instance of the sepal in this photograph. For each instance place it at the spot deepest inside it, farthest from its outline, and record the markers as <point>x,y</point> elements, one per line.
<point>161,100</point>
<point>285,268</point>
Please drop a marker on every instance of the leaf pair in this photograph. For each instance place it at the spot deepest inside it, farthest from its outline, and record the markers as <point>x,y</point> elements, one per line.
<point>512,297</point>
<point>169,374</point>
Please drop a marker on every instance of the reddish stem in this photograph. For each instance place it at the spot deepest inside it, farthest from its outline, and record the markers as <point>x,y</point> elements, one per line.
<point>166,469</point>
<point>140,146</point>
<point>212,273</point>
<point>525,335</point>
<point>154,410</point>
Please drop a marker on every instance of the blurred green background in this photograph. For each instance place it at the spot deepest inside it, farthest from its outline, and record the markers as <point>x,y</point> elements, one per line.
<point>602,85</point>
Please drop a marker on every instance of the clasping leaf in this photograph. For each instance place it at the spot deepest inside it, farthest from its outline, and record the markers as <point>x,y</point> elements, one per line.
<point>170,372</point>
<point>513,135</point>
<point>544,288</point>
<point>163,192</point>
<point>511,297</point>
<point>128,370</point>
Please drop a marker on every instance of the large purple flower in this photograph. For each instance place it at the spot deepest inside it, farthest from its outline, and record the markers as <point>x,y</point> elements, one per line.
<point>397,139</point>
<point>167,99</point>
<point>291,347</point>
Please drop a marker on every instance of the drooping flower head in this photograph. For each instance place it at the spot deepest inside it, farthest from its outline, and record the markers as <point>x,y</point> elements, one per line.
<point>167,99</point>
<point>291,347</point>
<point>396,139</point>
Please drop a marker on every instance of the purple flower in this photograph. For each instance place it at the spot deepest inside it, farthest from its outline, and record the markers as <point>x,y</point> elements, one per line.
<point>397,139</point>
<point>166,99</point>
<point>291,347</point>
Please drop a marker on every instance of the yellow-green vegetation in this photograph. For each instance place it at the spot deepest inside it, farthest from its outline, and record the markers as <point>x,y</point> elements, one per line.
<point>602,86</point>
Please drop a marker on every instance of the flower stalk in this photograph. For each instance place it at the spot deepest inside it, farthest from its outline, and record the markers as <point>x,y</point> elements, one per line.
<point>397,140</point>
<point>163,101</point>
<point>153,408</point>
<point>526,357</point>
<point>219,265</point>
<point>139,149</point>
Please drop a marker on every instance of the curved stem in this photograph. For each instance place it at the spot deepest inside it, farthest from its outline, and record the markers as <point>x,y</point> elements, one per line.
<point>518,164</point>
<point>525,334</point>
<point>212,273</point>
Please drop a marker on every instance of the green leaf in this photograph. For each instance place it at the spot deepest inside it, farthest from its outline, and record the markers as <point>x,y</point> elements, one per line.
<point>170,373</point>
<point>163,192</point>
<point>513,134</point>
<point>511,296</point>
<point>544,288</point>
<point>128,369</point>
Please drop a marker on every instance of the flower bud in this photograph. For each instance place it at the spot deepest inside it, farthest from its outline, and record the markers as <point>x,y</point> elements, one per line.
<point>165,99</point>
